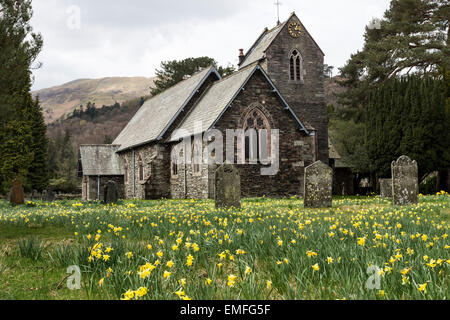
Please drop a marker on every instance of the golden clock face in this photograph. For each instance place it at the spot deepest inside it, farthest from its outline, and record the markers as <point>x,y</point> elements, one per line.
<point>295,30</point>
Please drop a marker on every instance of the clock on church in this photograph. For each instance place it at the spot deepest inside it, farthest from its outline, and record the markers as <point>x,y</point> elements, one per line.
<point>295,30</point>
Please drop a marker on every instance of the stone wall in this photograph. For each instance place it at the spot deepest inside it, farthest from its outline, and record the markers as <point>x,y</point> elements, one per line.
<point>196,185</point>
<point>92,186</point>
<point>306,98</point>
<point>296,149</point>
<point>155,162</point>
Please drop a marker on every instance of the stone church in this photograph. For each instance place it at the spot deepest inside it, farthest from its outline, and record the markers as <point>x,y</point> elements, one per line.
<point>279,85</point>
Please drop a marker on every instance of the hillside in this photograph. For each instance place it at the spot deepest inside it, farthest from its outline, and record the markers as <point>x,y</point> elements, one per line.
<point>63,99</point>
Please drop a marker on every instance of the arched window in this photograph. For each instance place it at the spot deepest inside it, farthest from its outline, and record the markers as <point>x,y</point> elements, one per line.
<point>296,66</point>
<point>257,121</point>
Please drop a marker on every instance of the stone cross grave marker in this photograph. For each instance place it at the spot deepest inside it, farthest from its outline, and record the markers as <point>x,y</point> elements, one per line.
<point>16,195</point>
<point>386,188</point>
<point>228,187</point>
<point>405,181</point>
<point>110,194</point>
<point>318,185</point>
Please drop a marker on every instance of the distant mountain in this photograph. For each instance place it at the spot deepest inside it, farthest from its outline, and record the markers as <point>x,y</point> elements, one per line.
<point>63,99</point>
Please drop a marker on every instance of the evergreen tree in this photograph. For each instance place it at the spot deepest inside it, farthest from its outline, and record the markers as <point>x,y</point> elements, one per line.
<point>414,37</point>
<point>172,72</point>
<point>38,173</point>
<point>407,116</point>
<point>19,47</point>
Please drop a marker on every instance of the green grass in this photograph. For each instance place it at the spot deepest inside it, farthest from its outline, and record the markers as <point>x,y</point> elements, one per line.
<point>39,241</point>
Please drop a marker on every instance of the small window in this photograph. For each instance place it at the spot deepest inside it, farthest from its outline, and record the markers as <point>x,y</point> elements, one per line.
<point>125,177</point>
<point>196,157</point>
<point>174,168</point>
<point>175,162</point>
<point>141,170</point>
<point>296,66</point>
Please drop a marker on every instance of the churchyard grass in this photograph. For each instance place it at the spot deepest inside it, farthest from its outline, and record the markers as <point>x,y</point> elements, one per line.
<point>186,249</point>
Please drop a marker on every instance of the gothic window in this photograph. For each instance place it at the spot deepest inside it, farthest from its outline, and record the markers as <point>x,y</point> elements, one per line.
<point>296,66</point>
<point>256,120</point>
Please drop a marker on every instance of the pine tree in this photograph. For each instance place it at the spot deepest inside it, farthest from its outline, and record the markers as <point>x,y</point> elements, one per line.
<point>19,47</point>
<point>38,174</point>
<point>172,72</point>
<point>414,37</point>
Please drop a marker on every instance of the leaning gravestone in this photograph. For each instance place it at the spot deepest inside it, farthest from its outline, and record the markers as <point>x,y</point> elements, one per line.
<point>386,188</point>
<point>16,195</point>
<point>228,187</point>
<point>110,194</point>
<point>318,185</point>
<point>405,181</point>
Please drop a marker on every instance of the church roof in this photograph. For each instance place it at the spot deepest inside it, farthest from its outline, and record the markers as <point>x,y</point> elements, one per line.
<point>157,114</point>
<point>258,49</point>
<point>100,160</point>
<point>216,100</point>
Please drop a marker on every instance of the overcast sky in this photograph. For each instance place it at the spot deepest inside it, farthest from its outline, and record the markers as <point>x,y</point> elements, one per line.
<point>108,38</point>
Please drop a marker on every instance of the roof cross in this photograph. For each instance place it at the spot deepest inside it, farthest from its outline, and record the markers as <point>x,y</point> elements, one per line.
<point>278,4</point>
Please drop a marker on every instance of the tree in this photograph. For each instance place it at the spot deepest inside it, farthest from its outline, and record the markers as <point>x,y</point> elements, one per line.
<point>407,116</point>
<point>328,71</point>
<point>413,37</point>
<point>172,72</point>
<point>38,173</point>
<point>19,47</point>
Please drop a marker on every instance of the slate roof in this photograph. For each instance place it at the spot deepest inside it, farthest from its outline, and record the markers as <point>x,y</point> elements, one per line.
<point>258,49</point>
<point>100,160</point>
<point>215,101</point>
<point>158,113</point>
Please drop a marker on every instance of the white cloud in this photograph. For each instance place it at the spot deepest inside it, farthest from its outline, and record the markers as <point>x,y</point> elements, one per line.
<point>118,38</point>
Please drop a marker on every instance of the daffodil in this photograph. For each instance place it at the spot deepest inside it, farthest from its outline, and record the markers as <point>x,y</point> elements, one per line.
<point>248,270</point>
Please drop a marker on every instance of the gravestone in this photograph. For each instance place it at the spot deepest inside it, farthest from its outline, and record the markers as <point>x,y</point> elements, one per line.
<point>405,181</point>
<point>318,185</point>
<point>110,194</point>
<point>386,188</point>
<point>48,195</point>
<point>228,187</point>
<point>16,195</point>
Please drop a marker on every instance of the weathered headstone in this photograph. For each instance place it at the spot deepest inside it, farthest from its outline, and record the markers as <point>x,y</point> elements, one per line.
<point>228,187</point>
<point>386,188</point>
<point>405,181</point>
<point>110,194</point>
<point>48,195</point>
<point>16,195</point>
<point>318,185</point>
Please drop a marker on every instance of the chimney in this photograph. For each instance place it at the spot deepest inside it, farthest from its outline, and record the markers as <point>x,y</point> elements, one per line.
<point>241,56</point>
